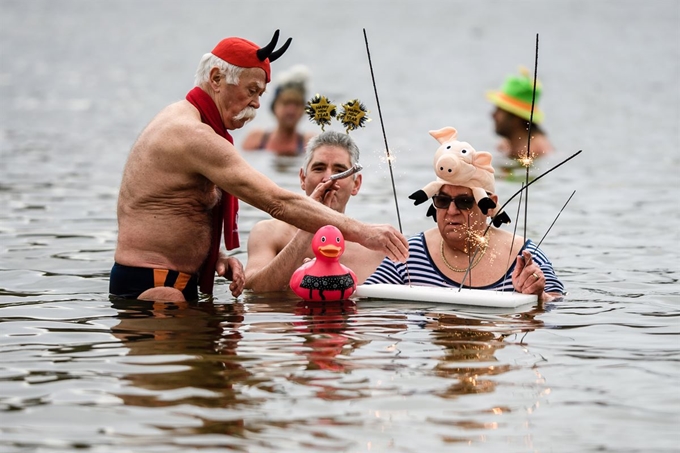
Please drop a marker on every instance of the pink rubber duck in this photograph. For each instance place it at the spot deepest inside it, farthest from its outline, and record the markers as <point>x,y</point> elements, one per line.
<point>324,278</point>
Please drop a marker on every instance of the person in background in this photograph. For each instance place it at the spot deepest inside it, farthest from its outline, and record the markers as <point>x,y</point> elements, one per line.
<point>183,179</point>
<point>276,249</point>
<point>497,260</point>
<point>512,115</point>
<point>288,107</point>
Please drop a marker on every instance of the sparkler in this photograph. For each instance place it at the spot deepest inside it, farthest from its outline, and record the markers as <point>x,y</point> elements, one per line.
<point>514,229</point>
<point>382,125</point>
<point>524,188</point>
<point>387,148</point>
<point>526,161</point>
<point>558,216</point>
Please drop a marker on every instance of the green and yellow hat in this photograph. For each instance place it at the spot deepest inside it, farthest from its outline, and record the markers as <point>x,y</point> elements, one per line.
<point>515,96</point>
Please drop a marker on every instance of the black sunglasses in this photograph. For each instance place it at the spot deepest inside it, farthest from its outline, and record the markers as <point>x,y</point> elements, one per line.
<point>462,202</point>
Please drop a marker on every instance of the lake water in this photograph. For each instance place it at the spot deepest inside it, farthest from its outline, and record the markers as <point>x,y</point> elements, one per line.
<point>599,371</point>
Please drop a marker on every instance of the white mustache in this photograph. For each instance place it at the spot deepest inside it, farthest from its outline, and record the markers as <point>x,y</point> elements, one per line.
<point>247,114</point>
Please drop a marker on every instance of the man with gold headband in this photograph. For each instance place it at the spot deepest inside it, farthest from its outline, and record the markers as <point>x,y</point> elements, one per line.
<point>463,244</point>
<point>276,249</point>
<point>183,179</point>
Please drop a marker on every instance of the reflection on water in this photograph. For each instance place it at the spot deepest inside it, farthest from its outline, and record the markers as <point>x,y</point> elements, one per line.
<point>187,357</point>
<point>471,345</point>
<point>200,343</point>
<point>323,327</point>
<point>235,371</point>
<point>288,375</point>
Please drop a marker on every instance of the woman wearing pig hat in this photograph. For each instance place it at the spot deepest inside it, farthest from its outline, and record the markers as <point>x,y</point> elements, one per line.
<point>463,245</point>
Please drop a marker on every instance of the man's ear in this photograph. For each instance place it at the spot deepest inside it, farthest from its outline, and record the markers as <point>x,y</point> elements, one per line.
<point>215,77</point>
<point>302,179</point>
<point>357,184</point>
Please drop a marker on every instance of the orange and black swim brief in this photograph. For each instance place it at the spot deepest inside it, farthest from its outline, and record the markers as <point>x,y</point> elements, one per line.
<point>129,282</point>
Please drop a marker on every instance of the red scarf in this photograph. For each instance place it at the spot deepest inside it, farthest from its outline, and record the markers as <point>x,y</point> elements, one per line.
<point>227,209</point>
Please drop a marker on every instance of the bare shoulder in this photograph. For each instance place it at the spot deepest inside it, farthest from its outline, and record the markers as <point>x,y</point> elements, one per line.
<point>163,144</point>
<point>180,123</point>
<point>194,145</point>
<point>432,237</point>
<point>505,240</point>
<point>177,115</point>
<point>253,140</point>
<point>271,231</point>
<point>540,145</point>
<point>267,226</point>
<point>173,128</point>
<point>504,146</point>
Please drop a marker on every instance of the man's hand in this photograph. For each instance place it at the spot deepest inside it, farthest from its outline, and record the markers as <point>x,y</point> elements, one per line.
<point>382,238</point>
<point>231,269</point>
<point>386,239</point>
<point>325,191</point>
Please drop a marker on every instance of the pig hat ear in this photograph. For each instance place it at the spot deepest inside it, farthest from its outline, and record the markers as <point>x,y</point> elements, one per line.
<point>476,172</point>
<point>444,134</point>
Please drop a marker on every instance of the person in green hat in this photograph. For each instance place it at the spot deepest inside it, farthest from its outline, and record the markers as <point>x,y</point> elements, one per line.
<point>512,117</point>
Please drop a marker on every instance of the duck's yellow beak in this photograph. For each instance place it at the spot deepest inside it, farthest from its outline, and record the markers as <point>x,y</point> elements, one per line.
<point>330,251</point>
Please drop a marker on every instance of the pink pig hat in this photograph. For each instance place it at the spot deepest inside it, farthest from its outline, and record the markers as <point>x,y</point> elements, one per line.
<point>459,164</point>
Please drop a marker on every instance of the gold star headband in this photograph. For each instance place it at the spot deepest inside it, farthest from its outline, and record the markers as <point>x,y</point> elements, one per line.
<point>321,110</point>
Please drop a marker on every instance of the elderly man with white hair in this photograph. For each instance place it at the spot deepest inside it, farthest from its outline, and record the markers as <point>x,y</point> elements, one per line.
<point>184,177</point>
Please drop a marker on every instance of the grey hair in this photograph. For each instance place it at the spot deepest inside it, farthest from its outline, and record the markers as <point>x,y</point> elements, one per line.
<point>208,61</point>
<point>331,138</point>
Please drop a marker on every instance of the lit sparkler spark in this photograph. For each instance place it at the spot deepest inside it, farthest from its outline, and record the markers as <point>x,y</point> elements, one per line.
<point>476,238</point>
<point>387,159</point>
<point>526,161</point>
<point>480,239</point>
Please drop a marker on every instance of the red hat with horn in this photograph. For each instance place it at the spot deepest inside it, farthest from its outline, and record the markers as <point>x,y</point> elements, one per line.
<point>245,54</point>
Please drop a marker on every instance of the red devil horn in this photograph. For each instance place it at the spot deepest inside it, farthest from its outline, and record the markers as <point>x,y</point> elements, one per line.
<point>275,55</point>
<point>264,52</point>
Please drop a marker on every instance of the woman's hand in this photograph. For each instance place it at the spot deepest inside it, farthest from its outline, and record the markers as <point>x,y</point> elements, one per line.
<point>528,278</point>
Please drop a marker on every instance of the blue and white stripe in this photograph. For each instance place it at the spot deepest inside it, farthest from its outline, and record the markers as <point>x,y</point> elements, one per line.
<point>423,272</point>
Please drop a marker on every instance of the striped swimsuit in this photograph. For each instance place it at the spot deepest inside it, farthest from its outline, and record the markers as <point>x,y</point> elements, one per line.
<point>423,272</point>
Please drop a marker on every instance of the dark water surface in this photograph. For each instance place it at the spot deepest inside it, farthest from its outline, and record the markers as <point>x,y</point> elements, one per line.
<point>598,371</point>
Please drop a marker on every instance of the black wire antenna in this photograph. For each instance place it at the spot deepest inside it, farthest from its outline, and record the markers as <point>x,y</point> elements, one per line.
<point>528,157</point>
<point>557,217</point>
<point>387,148</point>
<point>382,125</point>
